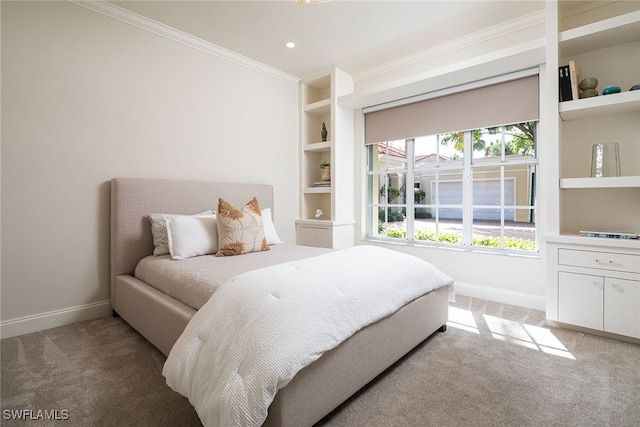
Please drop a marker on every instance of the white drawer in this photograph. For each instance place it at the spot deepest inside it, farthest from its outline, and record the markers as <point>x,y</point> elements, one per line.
<point>600,260</point>
<point>314,236</point>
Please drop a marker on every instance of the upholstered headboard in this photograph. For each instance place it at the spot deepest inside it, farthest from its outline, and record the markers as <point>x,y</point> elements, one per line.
<point>132,199</point>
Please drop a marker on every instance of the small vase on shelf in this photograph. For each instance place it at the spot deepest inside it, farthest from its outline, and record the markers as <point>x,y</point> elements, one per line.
<point>326,171</point>
<point>605,160</point>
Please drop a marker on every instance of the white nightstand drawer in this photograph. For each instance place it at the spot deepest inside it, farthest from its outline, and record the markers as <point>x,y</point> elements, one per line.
<point>314,236</point>
<point>601,260</point>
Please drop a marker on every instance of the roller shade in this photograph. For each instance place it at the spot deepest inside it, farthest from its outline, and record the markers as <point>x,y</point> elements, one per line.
<point>512,101</point>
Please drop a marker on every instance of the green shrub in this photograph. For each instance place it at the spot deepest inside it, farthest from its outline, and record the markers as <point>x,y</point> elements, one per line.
<point>392,194</point>
<point>392,216</point>
<point>396,233</point>
<point>456,239</point>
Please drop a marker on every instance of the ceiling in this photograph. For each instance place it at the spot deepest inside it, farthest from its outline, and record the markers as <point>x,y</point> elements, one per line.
<point>354,35</point>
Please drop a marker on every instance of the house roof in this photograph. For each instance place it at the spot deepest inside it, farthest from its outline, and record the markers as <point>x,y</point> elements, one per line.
<point>401,154</point>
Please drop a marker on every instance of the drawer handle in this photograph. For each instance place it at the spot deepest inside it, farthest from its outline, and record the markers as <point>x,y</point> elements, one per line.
<point>598,285</point>
<point>603,261</point>
<point>618,287</point>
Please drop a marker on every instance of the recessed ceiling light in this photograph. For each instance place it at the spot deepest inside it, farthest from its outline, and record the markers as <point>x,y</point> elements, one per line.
<point>290,45</point>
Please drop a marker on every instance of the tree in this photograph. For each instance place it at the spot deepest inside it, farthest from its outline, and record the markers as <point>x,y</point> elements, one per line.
<point>522,142</point>
<point>457,138</point>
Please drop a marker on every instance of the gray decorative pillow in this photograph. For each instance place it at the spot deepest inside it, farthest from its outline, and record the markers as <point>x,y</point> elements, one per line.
<point>159,230</point>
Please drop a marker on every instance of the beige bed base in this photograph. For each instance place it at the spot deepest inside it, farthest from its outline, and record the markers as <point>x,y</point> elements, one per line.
<point>317,389</point>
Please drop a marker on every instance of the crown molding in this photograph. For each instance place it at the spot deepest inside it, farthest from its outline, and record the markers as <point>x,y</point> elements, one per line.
<point>470,40</point>
<point>126,16</point>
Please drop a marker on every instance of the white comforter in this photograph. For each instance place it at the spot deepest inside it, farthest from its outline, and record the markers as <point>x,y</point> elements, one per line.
<point>260,328</point>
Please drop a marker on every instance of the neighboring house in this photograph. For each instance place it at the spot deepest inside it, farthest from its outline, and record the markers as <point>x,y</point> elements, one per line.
<point>486,189</point>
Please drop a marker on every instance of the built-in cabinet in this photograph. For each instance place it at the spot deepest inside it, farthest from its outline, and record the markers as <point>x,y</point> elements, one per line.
<point>598,287</point>
<point>594,282</point>
<point>335,199</point>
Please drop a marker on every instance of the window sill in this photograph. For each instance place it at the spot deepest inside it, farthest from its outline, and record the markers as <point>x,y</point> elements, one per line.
<point>474,250</point>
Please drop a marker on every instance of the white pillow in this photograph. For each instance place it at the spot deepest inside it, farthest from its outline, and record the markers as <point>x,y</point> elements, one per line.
<point>269,229</point>
<point>191,236</point>
<point>159,230</point>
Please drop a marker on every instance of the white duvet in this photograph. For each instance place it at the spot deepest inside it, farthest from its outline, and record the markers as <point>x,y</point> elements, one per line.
<point>261,327</point>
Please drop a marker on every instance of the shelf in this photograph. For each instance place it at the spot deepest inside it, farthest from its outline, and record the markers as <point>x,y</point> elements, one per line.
<point>603,182</point>
<point>317,147</point>
<point>598,35</point>
<point>321,107</point>
<point>324,222</point>
<point>318,105</point>
<point>321,84</point>
<point>317,190</point>
<point>617,103</point>
<point>573,239</point>
<point>316,222</point>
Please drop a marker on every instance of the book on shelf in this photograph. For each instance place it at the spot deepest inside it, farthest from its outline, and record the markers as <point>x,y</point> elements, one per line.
<point>322,184</point>
<point>608,234</point>
<point>575,75</point>
<point>564,84</point>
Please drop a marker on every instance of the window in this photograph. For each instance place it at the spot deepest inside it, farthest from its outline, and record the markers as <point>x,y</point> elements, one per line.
<point>456,167</point>
<point>474,189</point>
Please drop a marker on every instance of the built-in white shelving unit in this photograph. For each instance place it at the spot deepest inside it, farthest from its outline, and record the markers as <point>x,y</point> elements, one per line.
<point>602,182</point>
<point>601,34</point>
<point>617,103</point>
<point>319,104</point>
<point>593,282</point>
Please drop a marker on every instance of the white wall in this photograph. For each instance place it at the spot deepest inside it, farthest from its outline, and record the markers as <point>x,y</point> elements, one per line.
<point>512,46</point>
<point>86,98</point>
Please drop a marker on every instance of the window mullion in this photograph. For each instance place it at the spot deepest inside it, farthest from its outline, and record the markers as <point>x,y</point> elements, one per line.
<point>502,189</point>
<point>408,185</point>
<point>467,190</point>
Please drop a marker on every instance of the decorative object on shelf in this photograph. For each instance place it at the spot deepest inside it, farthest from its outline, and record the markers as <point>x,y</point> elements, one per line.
<point>326,171</point>
<point>323,132</point>
<point>575,75</point>
<point>605,160</point>
<point>588,87</point>
<point>634,87</point>
<point>608,234</point>
<point>319,213</point>
<point>610,89</point>
<point>589,83</point>
<point>589,93</point>
<point>564,83</point>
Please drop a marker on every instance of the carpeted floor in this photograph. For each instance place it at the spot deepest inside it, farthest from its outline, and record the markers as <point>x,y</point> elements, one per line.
<point>497,365</point>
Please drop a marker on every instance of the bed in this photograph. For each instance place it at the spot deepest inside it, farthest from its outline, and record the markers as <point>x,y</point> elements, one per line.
<point>316,389</point>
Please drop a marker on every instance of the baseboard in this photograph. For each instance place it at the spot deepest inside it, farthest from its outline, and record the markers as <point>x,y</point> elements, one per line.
<point>53,319</point>
<point>519,299</point>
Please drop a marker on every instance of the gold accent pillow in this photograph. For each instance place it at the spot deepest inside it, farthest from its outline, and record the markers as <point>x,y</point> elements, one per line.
<point>240,231</point>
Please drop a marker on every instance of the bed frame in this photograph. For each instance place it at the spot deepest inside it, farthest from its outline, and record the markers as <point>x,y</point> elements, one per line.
<point>317,389</point>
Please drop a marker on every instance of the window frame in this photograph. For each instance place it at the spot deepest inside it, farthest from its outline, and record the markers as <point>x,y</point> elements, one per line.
<point>466,168</point>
